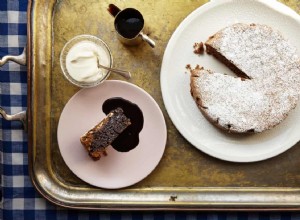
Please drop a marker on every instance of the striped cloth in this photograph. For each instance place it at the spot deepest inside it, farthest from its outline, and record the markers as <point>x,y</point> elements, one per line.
<point>19,198</point>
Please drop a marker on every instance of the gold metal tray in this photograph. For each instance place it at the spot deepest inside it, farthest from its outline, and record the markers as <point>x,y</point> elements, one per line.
<point>186,178</point>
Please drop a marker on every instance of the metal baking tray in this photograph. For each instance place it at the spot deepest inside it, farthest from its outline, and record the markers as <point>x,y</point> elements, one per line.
<point>186,178</point>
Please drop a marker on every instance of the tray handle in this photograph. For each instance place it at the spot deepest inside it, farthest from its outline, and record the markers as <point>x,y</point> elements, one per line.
<point>21,116</point>
<point>20,59</point>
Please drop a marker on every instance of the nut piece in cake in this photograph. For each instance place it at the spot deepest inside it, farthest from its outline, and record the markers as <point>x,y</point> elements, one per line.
<point>97,139</point>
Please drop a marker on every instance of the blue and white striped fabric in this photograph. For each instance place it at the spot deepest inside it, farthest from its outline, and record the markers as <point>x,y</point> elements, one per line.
<point>19,198</point>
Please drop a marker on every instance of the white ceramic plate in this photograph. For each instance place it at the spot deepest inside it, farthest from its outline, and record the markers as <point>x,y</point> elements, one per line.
<point>84,110</point>
<point>197,27</point>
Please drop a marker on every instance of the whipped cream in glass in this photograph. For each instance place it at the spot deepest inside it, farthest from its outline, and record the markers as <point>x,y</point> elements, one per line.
<point>80,59</point>
<point>82,62</point>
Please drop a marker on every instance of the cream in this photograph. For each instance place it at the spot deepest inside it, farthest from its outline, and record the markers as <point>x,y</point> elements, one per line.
<point>82,62</point>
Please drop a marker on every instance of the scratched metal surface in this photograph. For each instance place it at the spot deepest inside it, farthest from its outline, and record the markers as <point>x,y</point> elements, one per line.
<point>184,175</point>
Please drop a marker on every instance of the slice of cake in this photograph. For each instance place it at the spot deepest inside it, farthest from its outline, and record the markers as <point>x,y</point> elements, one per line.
<point>268,82</point>
<point>97,139</point>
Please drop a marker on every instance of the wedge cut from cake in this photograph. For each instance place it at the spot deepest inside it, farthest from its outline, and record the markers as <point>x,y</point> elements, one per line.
<point>267,86</point>
<point>97,139</point>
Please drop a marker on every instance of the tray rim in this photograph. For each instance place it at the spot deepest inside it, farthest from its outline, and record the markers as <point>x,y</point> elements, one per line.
<point>171,199</point>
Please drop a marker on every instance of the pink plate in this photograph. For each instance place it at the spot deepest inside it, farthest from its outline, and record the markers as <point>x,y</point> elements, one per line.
<point>117,170</point>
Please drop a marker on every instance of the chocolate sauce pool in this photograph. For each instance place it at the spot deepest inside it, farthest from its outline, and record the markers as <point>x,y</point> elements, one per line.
<point>129,138</point>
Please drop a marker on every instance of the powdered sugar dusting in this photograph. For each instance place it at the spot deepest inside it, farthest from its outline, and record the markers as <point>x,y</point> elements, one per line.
<point>256,49</point>
<point>263,101</point>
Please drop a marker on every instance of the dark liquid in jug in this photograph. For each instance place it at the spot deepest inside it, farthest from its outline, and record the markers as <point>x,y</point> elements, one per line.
<point>129,23</point>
